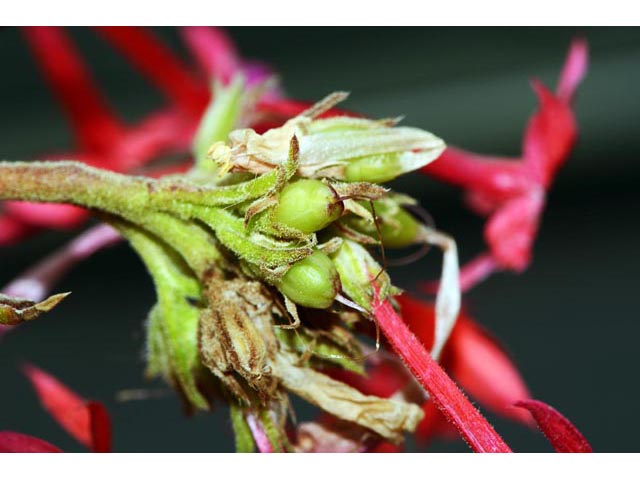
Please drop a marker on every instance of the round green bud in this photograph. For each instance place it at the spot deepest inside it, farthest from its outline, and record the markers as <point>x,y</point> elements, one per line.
<point>398,228</point>
<point>311,282</point>
<point>307,205</point>
<point>374,168</point>
<point>399,231</point>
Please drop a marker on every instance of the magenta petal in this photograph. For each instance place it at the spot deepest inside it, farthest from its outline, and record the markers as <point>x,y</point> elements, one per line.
<point>36,283</point>
<point>574,70</point>
<point>213,50</point>
<point>561,433</point>
<point>14,442</point>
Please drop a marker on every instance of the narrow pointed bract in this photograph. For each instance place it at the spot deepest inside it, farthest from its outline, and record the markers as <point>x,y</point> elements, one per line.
<point>561,433</point>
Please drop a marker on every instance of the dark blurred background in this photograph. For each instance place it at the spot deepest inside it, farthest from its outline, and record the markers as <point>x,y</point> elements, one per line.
<point>570,321</point>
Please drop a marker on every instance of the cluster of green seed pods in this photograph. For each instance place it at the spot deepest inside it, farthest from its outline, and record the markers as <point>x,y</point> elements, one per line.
<point>264,224</point>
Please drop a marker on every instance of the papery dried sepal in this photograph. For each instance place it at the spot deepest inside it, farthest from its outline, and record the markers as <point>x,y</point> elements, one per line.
<point>17,310</point>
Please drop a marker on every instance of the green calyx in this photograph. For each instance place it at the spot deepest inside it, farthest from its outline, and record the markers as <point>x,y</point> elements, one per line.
<point>311,282</point>
<point>307,205</point>
<point>257,228</point>
<point>396,227</point>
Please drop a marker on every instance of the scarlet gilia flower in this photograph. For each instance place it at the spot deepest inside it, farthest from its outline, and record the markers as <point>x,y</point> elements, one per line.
<point>512,192</point>
<point>259,251</point>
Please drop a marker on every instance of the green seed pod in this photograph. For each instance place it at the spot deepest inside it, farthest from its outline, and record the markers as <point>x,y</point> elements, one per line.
<point>375,168</point>
<point>398,228</point>
<point>311,282</point>
<point>307,205</point>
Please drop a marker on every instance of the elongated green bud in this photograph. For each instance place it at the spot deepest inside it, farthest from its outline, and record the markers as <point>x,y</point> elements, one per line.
<point>311,282</point>
<point>358,270</point>
<point>386,166</point>
<point>398,228</point>
<point>307,205</point>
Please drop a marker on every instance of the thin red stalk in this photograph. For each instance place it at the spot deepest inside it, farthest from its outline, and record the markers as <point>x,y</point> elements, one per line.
<point>455,406</point>
<point>159,64</point>
<point>213,50</point>
<point>36,283</point>
<point>259,435</point>
<point>472,273</point>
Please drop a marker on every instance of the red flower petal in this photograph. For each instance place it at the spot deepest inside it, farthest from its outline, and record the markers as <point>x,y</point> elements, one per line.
<point>160,65</point>
<point>561,433</point>
<point>549,137</point>
<point>473,427</point>
<point>385,447</point>
<point>14,442</point>
<point>85,421</point>
<point>574,70</point>
<point>12,229</point>
<point>95,125</point>
<point>495,176</point>
<point>383,377</point>
<point>100,427</point>
<point>484,370</point>
<point>213,50</point>
<point>419,316</point>
<point>53,215</point>
<point>511,231</point>
<point>434,425</point>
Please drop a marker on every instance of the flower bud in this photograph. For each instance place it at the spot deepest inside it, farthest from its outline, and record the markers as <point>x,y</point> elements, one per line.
<point>383,167</point>
<point>311,282</point>
<point>398,228</point>
<point>339,147</point>
<point>358,270</point>
<point>307,205</point>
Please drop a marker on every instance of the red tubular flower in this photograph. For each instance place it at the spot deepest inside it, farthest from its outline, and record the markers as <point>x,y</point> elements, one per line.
<point>86,421</point>
<point>511,192</point>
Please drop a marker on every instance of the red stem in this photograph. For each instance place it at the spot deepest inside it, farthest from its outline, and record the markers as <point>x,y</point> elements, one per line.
<point>455,406</point>
<point>259,435</point>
